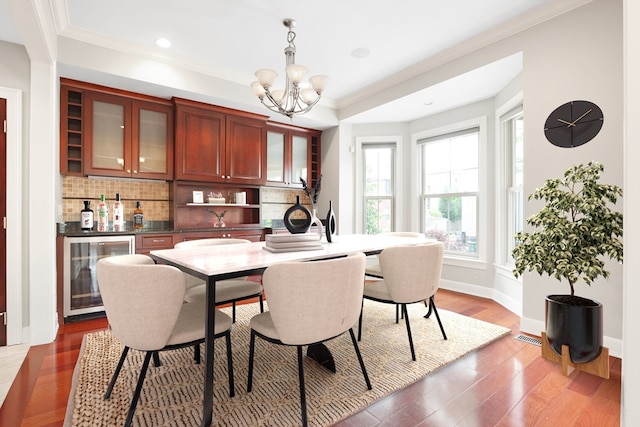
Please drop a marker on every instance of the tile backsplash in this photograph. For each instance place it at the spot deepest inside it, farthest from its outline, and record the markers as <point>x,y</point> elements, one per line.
<point>154,198</point>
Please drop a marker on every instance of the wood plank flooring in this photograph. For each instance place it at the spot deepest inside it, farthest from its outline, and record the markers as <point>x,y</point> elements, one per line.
<point>506,383</point>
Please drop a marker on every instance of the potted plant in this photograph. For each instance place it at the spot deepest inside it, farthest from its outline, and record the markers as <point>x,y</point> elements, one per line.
<point>576,228</point>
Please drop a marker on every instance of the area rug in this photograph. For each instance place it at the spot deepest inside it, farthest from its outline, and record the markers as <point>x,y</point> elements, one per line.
<point>172,394</point>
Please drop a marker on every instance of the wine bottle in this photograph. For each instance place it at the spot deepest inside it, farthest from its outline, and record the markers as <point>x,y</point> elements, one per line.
<point>138,217</point>
<point>118,214</point>
<point>86,217</point>
<point>103,214</point>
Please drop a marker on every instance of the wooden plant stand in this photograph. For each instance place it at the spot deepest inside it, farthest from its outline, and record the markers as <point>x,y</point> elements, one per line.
<point>598,366</point>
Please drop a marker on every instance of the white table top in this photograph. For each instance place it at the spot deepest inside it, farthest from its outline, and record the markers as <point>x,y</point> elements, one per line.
<point>224,260</point>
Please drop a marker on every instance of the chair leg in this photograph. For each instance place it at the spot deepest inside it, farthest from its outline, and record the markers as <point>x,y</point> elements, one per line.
<point>136,394</point>
<point>232,388</point>
<point>233,312</point>
<point>261,304</point>
<point>406,319</point>
<point>435,310</point>
<point>429,308</point>
<point>252,347</point>
<point>364,370</point>
<point>196,353</point>
<point>303,399</point>
<point>156,359</point>
<point>360,321</point>
<point>123,356</point>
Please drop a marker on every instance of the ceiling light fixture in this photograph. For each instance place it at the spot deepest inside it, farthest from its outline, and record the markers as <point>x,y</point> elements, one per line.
<point>163,43</point>
<point>297,97</point>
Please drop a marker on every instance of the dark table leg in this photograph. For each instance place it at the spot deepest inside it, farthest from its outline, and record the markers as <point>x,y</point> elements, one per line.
<point>209,333</point>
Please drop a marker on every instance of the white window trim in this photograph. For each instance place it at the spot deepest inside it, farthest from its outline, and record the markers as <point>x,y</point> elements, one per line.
<point>359,205</point>
<point>481,124</point>
<point>501,183</point>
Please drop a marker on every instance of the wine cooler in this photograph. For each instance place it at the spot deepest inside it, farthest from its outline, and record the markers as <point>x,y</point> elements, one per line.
<point>81,254</point>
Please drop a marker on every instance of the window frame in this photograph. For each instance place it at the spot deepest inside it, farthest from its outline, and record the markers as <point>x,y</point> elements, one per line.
<point>456,258</point>
<point>504,180</point>
<point>396,142</point>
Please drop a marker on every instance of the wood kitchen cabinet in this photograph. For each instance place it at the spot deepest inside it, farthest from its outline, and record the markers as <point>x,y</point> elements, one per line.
<point>292,153</point>
<point>217,144</point>
<point>109,132</point>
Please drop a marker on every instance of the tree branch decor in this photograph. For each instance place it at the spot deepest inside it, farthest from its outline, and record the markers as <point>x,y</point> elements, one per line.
<point>576,228</point>
<point>312,193</point>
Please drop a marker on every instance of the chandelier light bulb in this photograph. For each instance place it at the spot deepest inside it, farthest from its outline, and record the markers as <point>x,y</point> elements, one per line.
<point>296,97</point>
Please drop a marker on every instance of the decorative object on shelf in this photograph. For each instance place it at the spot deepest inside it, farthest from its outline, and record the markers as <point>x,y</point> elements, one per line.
<point>219,223</point>
<point>297,97</point>
<point>216,198</point>
<point>330,225</point>
<point>573,124</point>
<point>577,227</point>
<point>303,227</point>
<point>241,198</point>
<point>198,197</point>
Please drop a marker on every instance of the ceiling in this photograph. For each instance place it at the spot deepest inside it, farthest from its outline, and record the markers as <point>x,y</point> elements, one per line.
<point>230,39</point>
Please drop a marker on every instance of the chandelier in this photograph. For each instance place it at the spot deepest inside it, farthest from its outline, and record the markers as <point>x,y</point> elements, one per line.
<point>297,97</point>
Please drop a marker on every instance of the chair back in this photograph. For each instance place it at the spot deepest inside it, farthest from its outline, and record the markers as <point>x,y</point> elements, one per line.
<point>313,301</point>
<point>209,242</point>
<point>142,300</point>
<point>412,273</point>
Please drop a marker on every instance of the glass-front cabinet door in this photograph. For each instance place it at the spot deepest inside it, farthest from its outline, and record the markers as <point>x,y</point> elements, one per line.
<point>299,159</point>
<point>275,157</point>
<point>152,142</point>
<point>107,127</point>
<point>128,138</point>
<point>287,156</point>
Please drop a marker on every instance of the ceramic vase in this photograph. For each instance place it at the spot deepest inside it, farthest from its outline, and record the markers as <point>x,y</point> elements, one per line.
<point>301,226</point>
<point>330,224</point>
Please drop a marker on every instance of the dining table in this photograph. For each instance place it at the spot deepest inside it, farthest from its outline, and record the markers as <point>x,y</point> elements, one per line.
<point>221,262</point>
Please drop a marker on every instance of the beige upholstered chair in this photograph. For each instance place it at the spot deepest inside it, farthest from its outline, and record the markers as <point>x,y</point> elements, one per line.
<point>145,308</point>
<point>310,302</point>
<point>411,274</point>
<point>373,270</point>
<point>227,291</point>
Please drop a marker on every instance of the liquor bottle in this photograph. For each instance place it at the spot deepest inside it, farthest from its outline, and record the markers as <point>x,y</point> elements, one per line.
<point>103,214</point>
<point>86,216</point>
<point>118,214</point>
<point>138,217</point>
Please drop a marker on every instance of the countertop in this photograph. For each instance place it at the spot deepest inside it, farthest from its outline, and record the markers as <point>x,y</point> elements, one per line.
<point>72,229</point>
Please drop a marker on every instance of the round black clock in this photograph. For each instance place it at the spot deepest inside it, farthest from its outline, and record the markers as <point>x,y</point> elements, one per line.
<point>573,124</point>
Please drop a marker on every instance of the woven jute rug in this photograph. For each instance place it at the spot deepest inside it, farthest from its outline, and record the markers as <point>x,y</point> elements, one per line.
<point>172,394</point>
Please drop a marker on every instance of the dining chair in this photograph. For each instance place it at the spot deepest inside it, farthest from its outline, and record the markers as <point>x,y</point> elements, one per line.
<point>227,291</point>
<point>411,274</point>
<point>309,303</point>
<point>145,308</point>
<point>373,269</point>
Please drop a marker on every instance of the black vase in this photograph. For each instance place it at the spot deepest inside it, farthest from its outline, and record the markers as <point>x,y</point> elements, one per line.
<point>330,225</point>
<point>300,225</point>
<point>575,322</point>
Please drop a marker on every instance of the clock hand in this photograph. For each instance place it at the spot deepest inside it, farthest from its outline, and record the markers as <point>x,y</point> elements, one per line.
<point>576,120</point>
<point>566,122</point>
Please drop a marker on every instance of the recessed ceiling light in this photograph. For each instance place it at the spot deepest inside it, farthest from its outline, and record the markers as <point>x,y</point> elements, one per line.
<point>428,103</point>
<point>361,52</point>
<point>163,43</point>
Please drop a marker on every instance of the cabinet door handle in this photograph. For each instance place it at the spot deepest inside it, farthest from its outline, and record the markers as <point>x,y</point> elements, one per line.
<point>158,240</point>
<point>128,170</point>
<point>135,171</point>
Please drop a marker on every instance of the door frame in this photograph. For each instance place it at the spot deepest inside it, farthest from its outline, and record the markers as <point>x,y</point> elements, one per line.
<point>15,332</point>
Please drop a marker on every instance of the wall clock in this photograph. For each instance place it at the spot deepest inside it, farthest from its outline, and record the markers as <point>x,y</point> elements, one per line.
<point>573,124</point>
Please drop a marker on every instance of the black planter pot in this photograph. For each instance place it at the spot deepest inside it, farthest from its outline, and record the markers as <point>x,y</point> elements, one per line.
<point>576,322</point>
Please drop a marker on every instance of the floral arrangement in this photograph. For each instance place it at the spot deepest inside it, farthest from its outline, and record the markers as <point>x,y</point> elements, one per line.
<point>312,193</point>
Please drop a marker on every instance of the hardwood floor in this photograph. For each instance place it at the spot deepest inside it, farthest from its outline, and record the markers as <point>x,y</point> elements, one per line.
<point>506,383</point>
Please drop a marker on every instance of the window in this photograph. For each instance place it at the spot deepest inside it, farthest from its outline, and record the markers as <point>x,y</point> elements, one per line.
<point>379,187</point>
<point>513,141</point>
<point>449,189</point>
